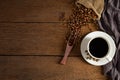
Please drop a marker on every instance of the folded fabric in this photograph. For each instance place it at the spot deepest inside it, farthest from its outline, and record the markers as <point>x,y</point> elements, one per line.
<point>110,23</point>
<point>96,5</point>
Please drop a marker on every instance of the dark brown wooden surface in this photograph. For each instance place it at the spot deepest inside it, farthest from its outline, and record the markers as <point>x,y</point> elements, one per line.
<point>32,38</point>
<point>35,39</point>
<point>47,68</point>
<point>34,10</point>
<point>32,41</point>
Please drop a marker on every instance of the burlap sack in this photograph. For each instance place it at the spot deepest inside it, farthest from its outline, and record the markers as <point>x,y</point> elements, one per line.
<point>96,5</point>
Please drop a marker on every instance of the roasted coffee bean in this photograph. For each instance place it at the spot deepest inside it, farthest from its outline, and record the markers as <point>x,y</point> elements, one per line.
<point>81,16</point>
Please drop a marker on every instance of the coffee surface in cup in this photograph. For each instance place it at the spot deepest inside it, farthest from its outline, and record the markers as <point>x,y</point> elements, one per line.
<point>98,47</point>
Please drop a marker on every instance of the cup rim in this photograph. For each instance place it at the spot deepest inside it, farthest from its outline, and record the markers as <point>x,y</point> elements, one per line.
<point>94,56</point>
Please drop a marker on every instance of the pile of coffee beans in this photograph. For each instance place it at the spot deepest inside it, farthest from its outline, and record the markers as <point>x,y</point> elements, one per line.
<point>80,17</point>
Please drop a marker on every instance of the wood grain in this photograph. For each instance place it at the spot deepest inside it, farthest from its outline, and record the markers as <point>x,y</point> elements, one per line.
<point>47,68</point>
<point>32,39</point>
<point>35,10</point>
<point>35,39</point>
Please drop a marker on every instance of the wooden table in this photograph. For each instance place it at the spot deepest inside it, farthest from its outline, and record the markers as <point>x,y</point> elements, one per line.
<point>32,42</point>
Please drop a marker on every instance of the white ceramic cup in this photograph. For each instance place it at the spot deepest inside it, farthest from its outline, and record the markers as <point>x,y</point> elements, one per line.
<point>100,46</point>
<point>92,59</point>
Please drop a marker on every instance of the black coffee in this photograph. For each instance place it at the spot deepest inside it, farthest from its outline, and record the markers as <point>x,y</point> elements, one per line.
<point>98,47</point>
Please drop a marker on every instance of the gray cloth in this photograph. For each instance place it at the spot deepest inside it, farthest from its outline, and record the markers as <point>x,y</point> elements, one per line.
<point>110,23</point>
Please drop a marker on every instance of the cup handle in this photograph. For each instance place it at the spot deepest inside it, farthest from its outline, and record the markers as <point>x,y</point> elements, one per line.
<point>108,59</point>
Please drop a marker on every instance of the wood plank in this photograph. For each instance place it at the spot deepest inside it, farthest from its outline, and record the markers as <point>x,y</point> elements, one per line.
<point>32,39</point>
<point>35,39</point>
<point>35,10</point>
<point>47,68</point>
